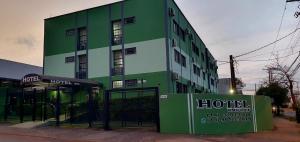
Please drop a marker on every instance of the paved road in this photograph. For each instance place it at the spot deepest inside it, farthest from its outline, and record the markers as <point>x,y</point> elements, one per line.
<point>285,131</point>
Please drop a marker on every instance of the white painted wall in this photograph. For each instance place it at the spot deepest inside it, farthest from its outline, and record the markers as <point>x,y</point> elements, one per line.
<point>150,57</point>
<point>55,65</point>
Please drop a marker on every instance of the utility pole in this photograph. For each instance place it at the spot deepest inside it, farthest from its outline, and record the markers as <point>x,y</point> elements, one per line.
<point>232,71</point>
<point>298,88</point>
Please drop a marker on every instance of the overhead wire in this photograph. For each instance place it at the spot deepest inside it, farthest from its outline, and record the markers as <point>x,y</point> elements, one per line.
<point>267,59</point>
<point>266,53</point>
<point>280,26</point>
<point>267,45</point>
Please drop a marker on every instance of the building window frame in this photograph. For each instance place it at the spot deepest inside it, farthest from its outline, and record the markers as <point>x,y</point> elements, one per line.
<point>131,83</point>
<point>177,56</point>
<point>82,66</point>
<point>118,62</point>
<point>130,51</point>
<point>82,38</point>
<point>70,59</point>
<point>117,32</point>
<point>117,84</point>
<point>183,60</point>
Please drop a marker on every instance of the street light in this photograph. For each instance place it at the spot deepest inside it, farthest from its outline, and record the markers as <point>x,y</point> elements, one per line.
<point>231,91</point>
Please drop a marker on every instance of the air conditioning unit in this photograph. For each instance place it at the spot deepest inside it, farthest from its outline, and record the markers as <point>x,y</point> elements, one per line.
<point>174,44</point>
<point>171,12</point>
<point>175,76</point>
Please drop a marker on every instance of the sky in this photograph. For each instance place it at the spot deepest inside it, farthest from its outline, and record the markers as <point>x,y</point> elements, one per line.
<point>227,27</point>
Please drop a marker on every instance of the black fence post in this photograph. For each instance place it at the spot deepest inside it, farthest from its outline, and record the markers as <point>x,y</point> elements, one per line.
<point>157,110</point>
<point>90,107</point>
<point>22,106</point>
<point>72,106</point>
<point>58,106</point>
<point>6,104</point>
<point>45,104</point>
<point>106,111</point>
<point>34,105</point>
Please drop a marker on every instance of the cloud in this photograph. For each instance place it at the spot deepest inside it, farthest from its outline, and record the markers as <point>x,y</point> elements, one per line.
<point>26,41</point>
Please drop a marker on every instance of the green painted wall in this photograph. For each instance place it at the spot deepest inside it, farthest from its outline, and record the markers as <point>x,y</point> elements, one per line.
<point>147,20</point>
<point>148,26</point>
<point>264,120</point>
<point>182,113</point>
<point>56,41</point>
<point>185,48</point>
<point>174,114</point>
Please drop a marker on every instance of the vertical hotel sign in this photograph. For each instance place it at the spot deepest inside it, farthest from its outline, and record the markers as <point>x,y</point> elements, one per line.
<point>211,114</point>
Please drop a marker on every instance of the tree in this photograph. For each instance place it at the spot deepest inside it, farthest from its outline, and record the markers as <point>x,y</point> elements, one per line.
<point>277,93</point>
<point>284,75</point>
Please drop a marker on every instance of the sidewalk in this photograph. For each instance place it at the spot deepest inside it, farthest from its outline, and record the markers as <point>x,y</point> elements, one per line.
<point>286,131</point>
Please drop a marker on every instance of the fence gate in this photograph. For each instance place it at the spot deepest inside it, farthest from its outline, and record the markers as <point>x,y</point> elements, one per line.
<point>134,107</point>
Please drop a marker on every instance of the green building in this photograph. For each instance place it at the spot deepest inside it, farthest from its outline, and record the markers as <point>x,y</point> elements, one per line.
<point>132,43</point>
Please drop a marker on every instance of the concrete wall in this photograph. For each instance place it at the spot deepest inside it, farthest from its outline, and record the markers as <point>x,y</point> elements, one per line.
<point>191,114</point>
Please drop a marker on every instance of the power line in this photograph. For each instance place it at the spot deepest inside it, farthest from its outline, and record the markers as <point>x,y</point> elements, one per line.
<point>267,59</point>
<point>280,25</point>
<point>294,62</point>
<point>223,64</point>
<point>267,44</point>
<point>265,53</point>
<point>222,61</point>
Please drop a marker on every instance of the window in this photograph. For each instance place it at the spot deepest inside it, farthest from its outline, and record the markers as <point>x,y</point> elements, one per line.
<point>211,66</point>
<point>182,34</point>
<point>177,56</point>
<point>70,32</point>
<point>70,59</point>
<point>195,49</point>
<point>129,20</point>
<point>181,88</point>
<point>117,32</point>
<point>195,69</point>
<point>82,39</point>
<point>117,62</point>
<point>198,71</point>
<point>117,84</point>
<point>178,30</point>
<point>202,56</point>
<point>82,66</point>
<point>175,27</point>
<point>131,83</point>
<point>183,61</point>
<point>212,82</point>
<point>204,78</point>
<point>130,51</point>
